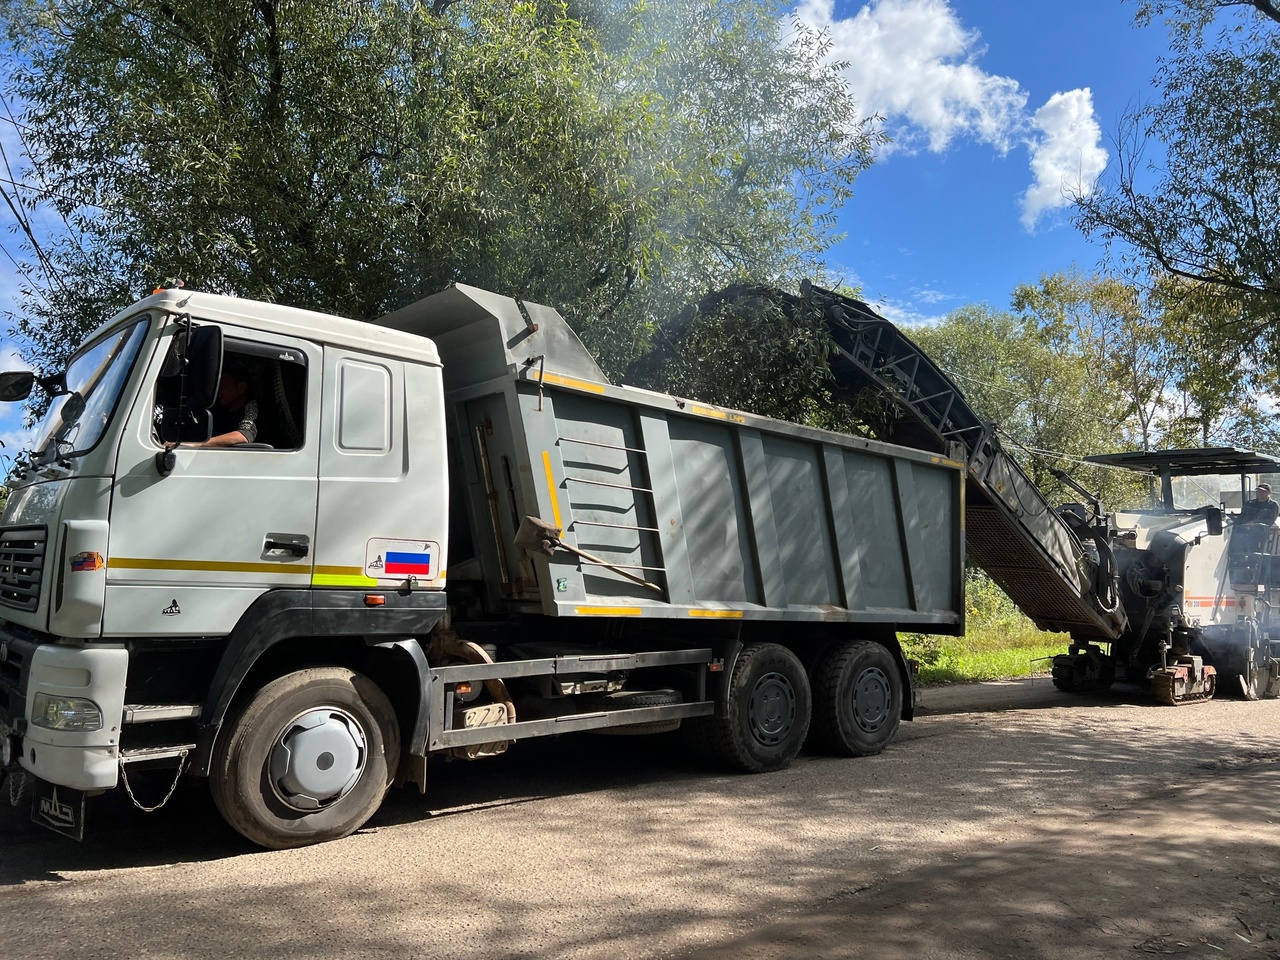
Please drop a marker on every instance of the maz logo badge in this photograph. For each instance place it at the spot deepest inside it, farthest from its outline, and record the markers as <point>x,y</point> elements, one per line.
<point>58,814</point>
<point>172,610</point>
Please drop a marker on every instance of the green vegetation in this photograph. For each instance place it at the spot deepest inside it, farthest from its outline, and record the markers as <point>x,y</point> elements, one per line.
<point>615,158</point>
<point>999,642</point>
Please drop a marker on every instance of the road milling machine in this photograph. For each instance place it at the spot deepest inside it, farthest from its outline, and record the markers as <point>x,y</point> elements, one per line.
<point>1183,596</point>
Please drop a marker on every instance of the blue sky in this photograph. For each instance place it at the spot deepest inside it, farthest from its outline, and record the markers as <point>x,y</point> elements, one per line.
<point>990,104</point>
<point>974,92</point>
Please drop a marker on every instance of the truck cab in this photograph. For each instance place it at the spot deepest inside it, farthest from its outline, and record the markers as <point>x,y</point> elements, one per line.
<point>129,549</point>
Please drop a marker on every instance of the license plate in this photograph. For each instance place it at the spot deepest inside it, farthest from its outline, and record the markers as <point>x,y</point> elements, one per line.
<point>61,809</point>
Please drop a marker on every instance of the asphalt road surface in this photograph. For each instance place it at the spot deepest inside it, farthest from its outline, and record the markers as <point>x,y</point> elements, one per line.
<point>1007,821</point>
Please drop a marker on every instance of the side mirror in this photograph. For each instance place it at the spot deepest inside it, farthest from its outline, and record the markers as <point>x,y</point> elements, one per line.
<point>188,385</point>
<point>1213,518</point>
<point>16,385</point>
<point>204,367</point>
<point>72,407</point>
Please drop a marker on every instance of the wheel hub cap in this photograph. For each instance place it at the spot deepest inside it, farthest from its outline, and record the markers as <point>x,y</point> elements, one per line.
<point>318,757</point>
<point>872,698</point>
<point>773,708</point>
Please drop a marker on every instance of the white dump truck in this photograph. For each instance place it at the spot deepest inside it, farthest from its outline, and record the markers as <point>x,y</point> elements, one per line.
<point>437,535</point>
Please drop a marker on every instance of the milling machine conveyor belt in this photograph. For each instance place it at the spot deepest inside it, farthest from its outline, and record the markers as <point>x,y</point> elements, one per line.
<point>1012,532</point>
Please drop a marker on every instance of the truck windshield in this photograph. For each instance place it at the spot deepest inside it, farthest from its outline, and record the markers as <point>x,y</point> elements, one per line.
<point>95,377</point>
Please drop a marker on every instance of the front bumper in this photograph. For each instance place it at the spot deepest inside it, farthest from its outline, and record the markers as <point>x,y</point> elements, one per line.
<point>83,760</point>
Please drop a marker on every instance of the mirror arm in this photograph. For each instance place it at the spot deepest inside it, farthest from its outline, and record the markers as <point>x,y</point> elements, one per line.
<point>55,385</point>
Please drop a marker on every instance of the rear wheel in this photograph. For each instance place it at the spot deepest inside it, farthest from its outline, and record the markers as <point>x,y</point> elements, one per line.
<point>308,759</point>
<point>767,712</point>
<point>857,698</point>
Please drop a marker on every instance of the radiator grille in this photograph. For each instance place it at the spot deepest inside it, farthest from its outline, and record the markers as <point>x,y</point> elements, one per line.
<point>22,554</point>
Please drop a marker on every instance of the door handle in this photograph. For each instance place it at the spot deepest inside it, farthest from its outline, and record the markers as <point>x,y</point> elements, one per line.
<point>298,548</point>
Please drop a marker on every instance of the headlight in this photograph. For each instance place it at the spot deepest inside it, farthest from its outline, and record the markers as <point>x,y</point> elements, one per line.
<point>65,713</point>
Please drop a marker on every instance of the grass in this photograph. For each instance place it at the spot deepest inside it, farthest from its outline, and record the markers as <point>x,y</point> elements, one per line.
<point>999,641</point>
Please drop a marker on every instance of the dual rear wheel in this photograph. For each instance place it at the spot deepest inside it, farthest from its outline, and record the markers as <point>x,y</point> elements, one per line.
<point>851,704</point>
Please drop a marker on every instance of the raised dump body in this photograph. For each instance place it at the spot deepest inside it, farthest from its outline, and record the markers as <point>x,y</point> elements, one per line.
<point>722,514</point>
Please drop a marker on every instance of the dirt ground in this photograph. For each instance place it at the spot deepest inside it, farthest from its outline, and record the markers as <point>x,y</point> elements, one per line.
<point>1007,821</point>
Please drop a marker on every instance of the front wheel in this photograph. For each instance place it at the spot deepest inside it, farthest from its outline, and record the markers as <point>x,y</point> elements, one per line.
<point>857,698</point>
<point>308,759</point>
<point>766,714</point>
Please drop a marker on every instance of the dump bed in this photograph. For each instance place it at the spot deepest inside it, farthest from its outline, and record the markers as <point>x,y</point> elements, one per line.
<point>720,513</point>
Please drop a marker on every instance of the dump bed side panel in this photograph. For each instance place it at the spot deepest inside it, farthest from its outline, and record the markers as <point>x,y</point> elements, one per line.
<point>728,515</point>
<point>676,509</point>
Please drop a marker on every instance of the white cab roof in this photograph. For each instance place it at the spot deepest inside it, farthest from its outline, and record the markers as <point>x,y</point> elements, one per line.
<point>285,321</point>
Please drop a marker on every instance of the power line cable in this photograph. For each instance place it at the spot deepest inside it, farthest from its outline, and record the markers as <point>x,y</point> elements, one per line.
<point>1025,398</point>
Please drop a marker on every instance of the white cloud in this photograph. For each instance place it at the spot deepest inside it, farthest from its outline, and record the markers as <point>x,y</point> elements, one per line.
<point>931,296</point>
<point>906,315</point>
<point>914,63</point>
<point>1066,157</point>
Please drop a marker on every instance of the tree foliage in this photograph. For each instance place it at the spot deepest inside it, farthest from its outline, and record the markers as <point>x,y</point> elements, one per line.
<point>1196,189</point>
<point>615,159</point>
<point>759,349</point>
<point>1043,399</point>
<point>1088,364</point>
<point>1219,388</point>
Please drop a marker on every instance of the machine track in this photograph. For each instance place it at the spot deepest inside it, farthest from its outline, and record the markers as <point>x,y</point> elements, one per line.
<point>1174,691</point>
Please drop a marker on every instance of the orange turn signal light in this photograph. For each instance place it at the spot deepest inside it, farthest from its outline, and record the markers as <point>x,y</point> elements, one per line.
<point>464,687</point>
<point>374,600</point>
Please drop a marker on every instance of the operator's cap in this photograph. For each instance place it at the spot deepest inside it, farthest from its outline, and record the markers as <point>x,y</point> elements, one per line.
<point>1265,486</point>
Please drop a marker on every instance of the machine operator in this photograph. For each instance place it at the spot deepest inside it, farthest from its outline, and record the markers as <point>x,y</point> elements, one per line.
<point>1261,509</point>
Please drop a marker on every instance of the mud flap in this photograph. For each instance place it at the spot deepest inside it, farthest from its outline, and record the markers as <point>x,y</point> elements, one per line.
<point>61,809</point>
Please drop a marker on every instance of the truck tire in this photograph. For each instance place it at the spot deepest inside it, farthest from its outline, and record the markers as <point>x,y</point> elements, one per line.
<point>308,759</point>
<point>766,714</point>
<point>626,699</point>
<point>857,698</point>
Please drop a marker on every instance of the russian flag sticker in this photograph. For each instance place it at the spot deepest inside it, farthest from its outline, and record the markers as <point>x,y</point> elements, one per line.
<point>418,564</point>
<point>401,559</point>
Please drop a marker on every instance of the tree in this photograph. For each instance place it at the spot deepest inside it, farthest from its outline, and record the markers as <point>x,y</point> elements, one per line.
<point>613,159</point>
<point>1043,397</point>
<point>1129,362</point>
<point>1217,385</point>
<point>1206,207</point>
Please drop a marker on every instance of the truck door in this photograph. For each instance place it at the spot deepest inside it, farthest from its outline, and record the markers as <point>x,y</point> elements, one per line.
<point>383,508</point>
<point>189,552</point>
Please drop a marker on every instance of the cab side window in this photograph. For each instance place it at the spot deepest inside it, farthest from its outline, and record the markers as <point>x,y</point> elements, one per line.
<point>261,402</point>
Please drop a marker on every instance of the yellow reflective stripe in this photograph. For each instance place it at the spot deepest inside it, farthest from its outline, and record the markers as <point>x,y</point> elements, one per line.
<point>717,414</point>
<point>607,611</point>
<point>208,566</point>
<point>331,576</point>
<point>723,614</point>
<point>551,488</point>
<point>571,382</point>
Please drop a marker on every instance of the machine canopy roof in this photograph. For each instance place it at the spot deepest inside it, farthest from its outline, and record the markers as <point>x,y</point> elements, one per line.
<point>1195,462</point>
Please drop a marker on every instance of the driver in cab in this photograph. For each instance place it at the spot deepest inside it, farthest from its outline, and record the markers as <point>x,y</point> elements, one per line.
<point>235,414</point>
<point>1261,509</point>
